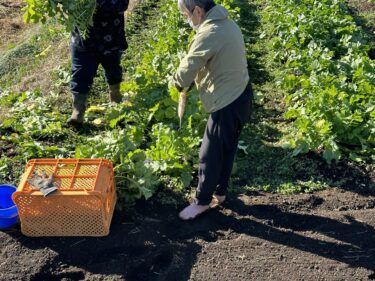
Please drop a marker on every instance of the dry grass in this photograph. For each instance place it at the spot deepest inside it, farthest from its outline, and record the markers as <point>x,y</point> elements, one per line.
<point>366,10</point>
<point>133,4</point>
<point>14,31</point>
<point>41,78</point>
<point>3,113</point>
<point>12,26</point>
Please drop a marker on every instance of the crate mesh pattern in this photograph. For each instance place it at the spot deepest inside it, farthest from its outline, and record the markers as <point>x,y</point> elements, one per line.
<point>82,206</point>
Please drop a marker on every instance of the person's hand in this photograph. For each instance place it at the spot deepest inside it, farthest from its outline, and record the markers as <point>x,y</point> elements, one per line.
<point>178,87</point>
<point>190,87</point>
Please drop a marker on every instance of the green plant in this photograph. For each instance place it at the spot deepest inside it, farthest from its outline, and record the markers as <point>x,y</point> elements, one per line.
<point>328,75</point>
<point>70,13</point>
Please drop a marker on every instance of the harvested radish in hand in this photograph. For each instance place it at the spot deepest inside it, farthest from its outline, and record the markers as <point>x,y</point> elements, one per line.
<point>181,105</point>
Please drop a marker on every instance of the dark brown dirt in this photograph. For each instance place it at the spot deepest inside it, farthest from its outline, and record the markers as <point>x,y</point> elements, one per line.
<point>7,149</point>
<point>327,235</point>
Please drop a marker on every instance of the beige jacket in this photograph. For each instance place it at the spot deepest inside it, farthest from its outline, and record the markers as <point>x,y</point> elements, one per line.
<point>216,61</point>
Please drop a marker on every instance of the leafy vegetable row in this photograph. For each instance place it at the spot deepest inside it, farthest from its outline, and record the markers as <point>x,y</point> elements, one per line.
<point>328,74</point>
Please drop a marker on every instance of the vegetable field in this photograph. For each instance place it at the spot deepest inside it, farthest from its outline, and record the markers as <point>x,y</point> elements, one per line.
<point>302,195</point>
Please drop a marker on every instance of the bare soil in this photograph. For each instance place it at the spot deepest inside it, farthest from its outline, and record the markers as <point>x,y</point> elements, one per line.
<point>327,235</point>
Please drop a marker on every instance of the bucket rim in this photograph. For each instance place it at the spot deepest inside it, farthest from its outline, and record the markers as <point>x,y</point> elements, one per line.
<point>11,207</point>
<point>8,185</point>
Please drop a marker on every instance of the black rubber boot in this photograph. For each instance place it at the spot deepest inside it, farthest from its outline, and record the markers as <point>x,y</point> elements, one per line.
<point>114,93</point>
<point>79,108</point>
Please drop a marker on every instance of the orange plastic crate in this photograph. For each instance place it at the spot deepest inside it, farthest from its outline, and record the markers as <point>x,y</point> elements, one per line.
<point>82,206</point>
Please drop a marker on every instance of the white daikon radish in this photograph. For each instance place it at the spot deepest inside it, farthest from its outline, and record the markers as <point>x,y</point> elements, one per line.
<point>181,105</point>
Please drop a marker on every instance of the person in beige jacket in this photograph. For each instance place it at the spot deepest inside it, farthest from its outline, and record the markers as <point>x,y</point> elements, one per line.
<point>216,62</point>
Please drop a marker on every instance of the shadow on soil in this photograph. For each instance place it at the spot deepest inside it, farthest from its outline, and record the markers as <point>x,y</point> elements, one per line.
<point>352,245</point>
<point>151,243</point>
<point>139,247</point>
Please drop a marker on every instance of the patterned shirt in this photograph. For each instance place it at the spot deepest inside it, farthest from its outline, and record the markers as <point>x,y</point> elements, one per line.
<point>107,33</point>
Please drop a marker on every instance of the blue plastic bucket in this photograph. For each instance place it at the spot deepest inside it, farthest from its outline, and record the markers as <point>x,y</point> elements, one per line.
<point>8,210</point>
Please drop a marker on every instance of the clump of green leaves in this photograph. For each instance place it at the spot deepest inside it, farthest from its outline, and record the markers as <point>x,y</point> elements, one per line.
<point>328,75</point>
<point>70,13</point>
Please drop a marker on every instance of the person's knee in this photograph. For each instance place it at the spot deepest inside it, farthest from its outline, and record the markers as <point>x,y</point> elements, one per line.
<point>113,75</point>
<point>203,154</point>
<point>79,88</point>
<point>112,68</point>
<point>82,76</point>
<point>81,80</point>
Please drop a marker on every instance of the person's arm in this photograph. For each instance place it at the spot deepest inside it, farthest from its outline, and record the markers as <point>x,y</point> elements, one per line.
<point>201,50</point>
<point>112,6</point>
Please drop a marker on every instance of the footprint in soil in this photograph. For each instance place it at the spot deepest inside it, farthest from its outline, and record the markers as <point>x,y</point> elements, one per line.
<point>162,260</point>
<point>136,250</point>
<point>310,202</point>
<point>132,251</point>
<point>152,266</point>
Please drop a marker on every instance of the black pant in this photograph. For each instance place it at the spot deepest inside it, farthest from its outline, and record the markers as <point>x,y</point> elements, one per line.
<point>219,146</point>
<point>85,65</point>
